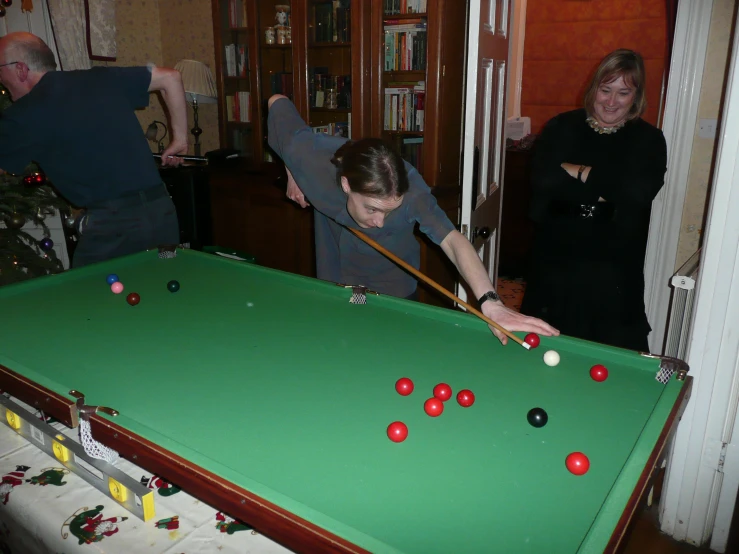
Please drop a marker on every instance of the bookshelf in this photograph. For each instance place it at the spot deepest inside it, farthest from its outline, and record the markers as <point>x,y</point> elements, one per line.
<point>417,91</point>
<point>233,22</point>
<point>316,52</point>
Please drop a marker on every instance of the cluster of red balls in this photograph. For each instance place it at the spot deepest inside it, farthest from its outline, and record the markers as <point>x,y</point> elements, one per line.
<point>434,406</point>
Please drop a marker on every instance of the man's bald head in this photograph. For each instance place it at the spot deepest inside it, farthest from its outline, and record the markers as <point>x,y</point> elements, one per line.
<point>28,49</point>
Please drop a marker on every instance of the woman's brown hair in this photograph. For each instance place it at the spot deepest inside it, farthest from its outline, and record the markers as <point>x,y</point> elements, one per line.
<point>620,63</point>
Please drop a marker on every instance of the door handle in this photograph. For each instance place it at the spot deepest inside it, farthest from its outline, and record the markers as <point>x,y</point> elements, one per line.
<point>482,232</point>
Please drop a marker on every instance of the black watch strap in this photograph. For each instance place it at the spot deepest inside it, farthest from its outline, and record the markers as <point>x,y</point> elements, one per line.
<point>489,295</point>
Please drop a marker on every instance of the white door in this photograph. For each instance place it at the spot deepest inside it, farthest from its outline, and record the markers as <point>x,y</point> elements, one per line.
<point>484,143</point>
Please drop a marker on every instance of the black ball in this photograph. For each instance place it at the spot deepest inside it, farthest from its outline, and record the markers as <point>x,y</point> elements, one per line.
<point>537,417</point>
<point>173,286</point>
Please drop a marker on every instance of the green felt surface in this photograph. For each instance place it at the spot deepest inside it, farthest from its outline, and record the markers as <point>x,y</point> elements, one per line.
<point>280,385</point>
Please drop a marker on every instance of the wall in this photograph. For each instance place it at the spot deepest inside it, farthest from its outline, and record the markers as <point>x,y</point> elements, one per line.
<point>566,39</point>
<point>139,43</point>
<point>702,157</point>
<point>163,32</point>
<point>187,33</point>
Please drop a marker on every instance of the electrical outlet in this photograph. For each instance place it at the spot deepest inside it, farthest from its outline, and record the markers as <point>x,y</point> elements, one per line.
<point>707,128</point>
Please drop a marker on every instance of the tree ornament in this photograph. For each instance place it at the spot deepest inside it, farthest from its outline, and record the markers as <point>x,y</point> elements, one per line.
<point>46,244</point>
<point>35,179</point>
<point>15,221</point>
<point>6,3</point>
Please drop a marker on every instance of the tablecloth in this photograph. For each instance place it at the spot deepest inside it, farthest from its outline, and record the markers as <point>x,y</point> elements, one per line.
<point>46,509</point>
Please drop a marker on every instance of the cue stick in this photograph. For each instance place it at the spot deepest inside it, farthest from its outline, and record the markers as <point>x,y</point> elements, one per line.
<point>437,286</point>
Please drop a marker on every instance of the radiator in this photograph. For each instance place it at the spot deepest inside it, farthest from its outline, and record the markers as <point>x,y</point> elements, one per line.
<point>681,307</point>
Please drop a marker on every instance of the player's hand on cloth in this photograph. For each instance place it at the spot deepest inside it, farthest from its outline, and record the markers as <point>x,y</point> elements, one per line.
<point>294,193</point>
<point>514,321</point>
<point>170,157</point>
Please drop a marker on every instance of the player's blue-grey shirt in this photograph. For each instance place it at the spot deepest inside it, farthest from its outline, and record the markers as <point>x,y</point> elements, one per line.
<point>341,257</point>
<point>80,127</point>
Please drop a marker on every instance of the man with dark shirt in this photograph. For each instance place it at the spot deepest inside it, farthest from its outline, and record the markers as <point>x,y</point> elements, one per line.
<point>81,129</point>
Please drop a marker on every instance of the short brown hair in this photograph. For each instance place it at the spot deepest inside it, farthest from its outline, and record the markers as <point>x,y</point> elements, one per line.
<point>372,167</point>
<point>620,63</point>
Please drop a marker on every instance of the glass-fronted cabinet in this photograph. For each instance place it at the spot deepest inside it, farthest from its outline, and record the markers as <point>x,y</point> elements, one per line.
<point>316,52</point>
<point>329,64</point>
<point>235,35</point>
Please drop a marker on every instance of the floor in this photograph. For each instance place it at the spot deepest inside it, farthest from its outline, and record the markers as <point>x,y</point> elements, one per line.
<point>644,536</point>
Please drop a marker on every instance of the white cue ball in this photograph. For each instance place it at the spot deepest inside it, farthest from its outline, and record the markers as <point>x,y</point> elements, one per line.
<point>551,358</point>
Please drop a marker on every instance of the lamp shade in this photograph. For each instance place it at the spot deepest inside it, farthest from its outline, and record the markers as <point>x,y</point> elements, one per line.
<point>198,81</point>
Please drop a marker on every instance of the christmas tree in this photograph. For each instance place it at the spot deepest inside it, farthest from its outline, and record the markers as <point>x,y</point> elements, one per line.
<point>25,198</point>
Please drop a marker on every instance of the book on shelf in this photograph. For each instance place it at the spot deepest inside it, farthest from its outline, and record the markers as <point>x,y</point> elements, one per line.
<point>393,7</point>
<point>411,149</point>
<point>405,45</point>
<point>237,13</point>
<point>237,60</point>
<point>404,107</point>
<point>238,107</point>
<point>339,129</point>
<point>320,81</point>
<point>332,22</point>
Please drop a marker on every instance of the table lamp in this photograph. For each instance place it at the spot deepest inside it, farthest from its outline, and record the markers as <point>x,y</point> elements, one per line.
<point>200,88</point>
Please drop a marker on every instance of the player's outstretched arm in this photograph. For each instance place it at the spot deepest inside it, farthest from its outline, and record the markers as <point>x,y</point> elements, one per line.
<point>169,83</point>
<point>463,256</point>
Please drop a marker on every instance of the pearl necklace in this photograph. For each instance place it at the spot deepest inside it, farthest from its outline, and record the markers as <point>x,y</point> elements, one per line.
<point>595,126</point>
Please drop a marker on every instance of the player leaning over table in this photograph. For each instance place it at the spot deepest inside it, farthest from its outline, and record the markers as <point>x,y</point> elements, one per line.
<point>367,185</point>
<point>80,127</point>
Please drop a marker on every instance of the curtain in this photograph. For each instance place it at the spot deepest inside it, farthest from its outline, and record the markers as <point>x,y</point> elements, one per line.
<point>68,23</point>
<point>84,30</point>
<point>101,43</point>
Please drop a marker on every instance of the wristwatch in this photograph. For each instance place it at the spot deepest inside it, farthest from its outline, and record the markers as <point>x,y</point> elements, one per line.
<point>489,295</point>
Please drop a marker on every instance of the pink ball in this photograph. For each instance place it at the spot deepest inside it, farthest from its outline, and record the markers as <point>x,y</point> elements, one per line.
<point>117,287</point>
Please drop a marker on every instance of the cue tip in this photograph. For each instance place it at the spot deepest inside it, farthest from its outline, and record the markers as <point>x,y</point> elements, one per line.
<point>526,345</point>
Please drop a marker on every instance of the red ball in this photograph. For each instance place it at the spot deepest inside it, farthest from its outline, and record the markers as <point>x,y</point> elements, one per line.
<point>599,373</point>
<point>577,463</point>
<point>397,431</point>
<point>443,392</point>
<point>133,299</point>
<point>433,407</point>
<point>532,339</point>
<point>465,398</point>
<point>404,386</point>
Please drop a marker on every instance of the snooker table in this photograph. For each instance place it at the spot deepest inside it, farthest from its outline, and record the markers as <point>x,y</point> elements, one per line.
<point>268,395</point>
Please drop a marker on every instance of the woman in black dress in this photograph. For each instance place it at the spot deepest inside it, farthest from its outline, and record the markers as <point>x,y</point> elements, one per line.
<point>595,173</point>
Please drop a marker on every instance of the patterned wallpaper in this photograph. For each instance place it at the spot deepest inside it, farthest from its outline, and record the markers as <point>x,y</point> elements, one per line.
<point>138,41</point>
<point>702,156</point>
<point>187,33</point>
<point>163,32</point>
<point>566,39</point>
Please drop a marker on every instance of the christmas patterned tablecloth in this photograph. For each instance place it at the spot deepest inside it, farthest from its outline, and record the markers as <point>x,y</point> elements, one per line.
<point>46,509</point>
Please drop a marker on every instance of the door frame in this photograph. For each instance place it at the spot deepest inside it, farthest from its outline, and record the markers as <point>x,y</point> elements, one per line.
<point>690,44</point>
<point>703,476</point>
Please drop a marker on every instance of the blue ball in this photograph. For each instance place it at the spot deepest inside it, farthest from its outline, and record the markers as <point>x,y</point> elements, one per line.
<point>112,278</point>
